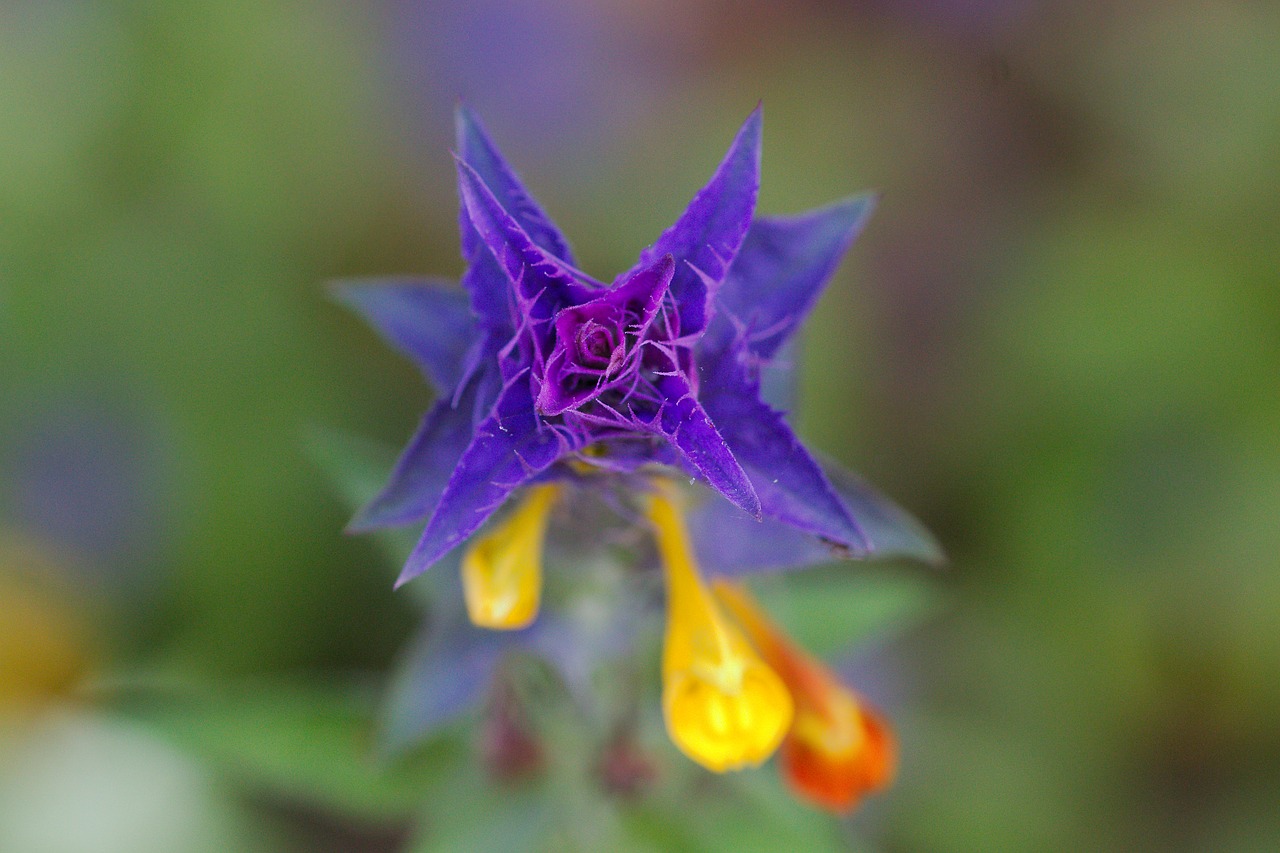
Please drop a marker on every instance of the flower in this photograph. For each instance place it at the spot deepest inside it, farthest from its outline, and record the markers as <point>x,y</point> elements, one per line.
<point>544,368</point>
<point>724,707</point>
<point>502,573</point>
<point>838,748</point>
<point>553,382</point>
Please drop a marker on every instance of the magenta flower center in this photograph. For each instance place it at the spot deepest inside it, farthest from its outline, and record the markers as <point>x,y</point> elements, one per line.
<point>598,347</point>
<point>603,349</point>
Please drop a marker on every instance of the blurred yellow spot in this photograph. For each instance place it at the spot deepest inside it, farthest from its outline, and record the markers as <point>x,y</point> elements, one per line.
<point>502,571</point>
<point>42,637</point>
<point>724,707</point>
<point>839,748</point>
<point>584,466</point>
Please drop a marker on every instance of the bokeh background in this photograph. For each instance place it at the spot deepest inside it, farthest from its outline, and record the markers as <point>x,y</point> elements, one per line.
<point>1058,343</point>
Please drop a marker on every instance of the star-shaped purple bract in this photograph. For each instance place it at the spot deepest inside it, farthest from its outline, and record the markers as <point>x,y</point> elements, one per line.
<point>549,366</point>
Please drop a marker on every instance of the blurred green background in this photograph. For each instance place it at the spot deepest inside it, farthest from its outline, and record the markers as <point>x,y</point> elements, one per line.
<point>1057,343</point>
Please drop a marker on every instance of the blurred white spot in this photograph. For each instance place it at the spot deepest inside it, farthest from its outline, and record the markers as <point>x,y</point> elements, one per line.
<point>80,784</point>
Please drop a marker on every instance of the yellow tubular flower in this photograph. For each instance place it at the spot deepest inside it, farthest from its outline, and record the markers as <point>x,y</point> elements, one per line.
<point>502,570</point>
<point>839,748</point>
<point>724,707</point>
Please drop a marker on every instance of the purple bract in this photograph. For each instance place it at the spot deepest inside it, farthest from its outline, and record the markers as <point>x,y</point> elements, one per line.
<point>544,370</point>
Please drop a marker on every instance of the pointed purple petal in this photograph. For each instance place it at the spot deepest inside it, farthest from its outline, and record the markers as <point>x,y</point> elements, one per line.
<point>439,680</point>
<point>447,671</point>
<point>477,150</point>
<point>509,449</point>
<point>647,286</point>
<point>684,422</point>
<point>892,530</point>
<point>542,281</point>
<point>425,466</point>
<point>776,278</point>
<point>707,236</point>
<point>791,486</point>
<point>778,378</point>
<point>730,543</point>
<point>427,320</point>
<point>489,289</point>
<point>484,279</point>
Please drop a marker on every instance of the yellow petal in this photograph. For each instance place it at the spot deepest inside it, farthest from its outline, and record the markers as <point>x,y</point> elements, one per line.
<point>724,707</point>
<point>502,570</point>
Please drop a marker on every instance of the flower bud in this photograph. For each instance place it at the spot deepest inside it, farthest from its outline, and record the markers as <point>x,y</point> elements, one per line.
<point>724,707</point>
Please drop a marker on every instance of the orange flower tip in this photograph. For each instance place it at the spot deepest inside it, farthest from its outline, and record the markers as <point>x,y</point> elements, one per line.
<point>834,763</point>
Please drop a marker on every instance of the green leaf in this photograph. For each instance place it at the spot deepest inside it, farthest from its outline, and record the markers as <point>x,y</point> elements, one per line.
<point>779,821</point>
<point>739,812</point>
<point>471,814</point>
<point>313,744</point>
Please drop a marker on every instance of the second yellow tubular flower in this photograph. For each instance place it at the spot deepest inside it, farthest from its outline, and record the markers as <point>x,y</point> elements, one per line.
<point>502,571</point>
<point>723,706</point>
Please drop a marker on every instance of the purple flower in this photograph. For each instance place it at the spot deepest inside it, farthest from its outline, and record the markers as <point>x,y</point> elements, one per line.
<point>547,373</point>
<point>552,383</point>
